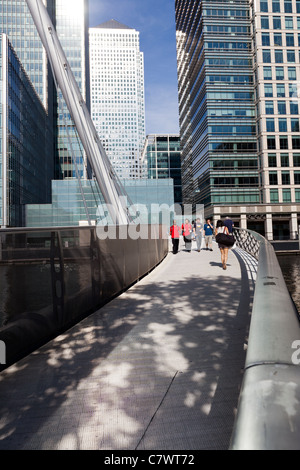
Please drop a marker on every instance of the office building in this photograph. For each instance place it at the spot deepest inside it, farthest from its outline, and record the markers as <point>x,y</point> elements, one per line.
<point>23,138</point>
<point>117,95</point>
<point>162,154</point>
<point>238,63</point>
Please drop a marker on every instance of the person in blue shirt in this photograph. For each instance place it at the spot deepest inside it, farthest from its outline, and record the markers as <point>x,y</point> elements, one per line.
<point>208,233</point>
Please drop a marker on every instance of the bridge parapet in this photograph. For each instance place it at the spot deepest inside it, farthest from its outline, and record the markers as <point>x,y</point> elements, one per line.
<point>52,278</point>
<point>268,415</point>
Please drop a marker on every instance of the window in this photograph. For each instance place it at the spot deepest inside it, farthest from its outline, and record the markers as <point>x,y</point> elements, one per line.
<point>264,22</point>
<point>288,22</point>
<point>274,195</point>
<point>283,142</point>
<point>273,177</point>
<point>297,177</point>
<point>297,195</point>
<point>281,107</point>
<point>296,159</point>
<point>286,195</point>
<point>280,90</point>
<point>288,8</point>
<point>268,90</point>
<point>267,73</point>
<point>295,143</point>
<point>297,6</point>
<point>289,38</point>
<point>266,56</point>
<point>276,22</point>
<point>276,6</point>
<point>265,39</point>
<point>292,73</point>
<point>278,57</point>
<point>282,125</point>
<point>284,159</point>
<point>272,160</point>
<point>270,125</point>
<point>293,108</point>
<point>295,125</point>
<point>269,107</point>
<point>271,143</point>
<point>292,90</point>
<point>290,56</point>
<point>279,73</point>
<point>277,39</point>
<point>264,6</point>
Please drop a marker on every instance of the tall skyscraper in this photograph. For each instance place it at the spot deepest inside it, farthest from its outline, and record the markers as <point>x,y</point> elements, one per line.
<point>71,22</point>
<point>70,18</point>
<point>23,139</point>
<point>117,95</point>
<point>238,63</point>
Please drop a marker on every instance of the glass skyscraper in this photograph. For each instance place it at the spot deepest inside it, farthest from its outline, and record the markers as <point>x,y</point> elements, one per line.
<point>238,66</point>
<point>117,95</point>
<point>70,18</point>
<point>162,154</point>
<point>23,138</point>
<point>217,111</point>
<point>71,22</point>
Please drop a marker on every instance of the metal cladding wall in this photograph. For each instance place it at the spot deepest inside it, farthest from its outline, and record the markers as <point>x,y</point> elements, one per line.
<point>52,278</point>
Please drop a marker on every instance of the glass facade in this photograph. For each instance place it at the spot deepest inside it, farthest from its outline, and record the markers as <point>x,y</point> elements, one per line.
<point>117,95</point>
<point>216,102</point>
<point>162,153</point>
<point>71,21</point>
<point>67,208</point>
<point>23,139</point>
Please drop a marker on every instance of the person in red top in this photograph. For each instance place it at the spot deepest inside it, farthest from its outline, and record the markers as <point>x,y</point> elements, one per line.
<point>187,234</point>
<point>175,233</point>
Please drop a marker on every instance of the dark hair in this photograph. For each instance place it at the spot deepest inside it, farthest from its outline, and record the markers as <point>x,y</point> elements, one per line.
<point>220,223</point>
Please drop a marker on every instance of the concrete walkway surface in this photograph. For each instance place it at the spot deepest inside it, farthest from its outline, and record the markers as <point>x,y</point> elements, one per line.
<point>158,368</point>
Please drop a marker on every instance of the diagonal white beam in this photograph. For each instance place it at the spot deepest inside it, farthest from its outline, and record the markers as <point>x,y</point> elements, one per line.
<point>102,168</point>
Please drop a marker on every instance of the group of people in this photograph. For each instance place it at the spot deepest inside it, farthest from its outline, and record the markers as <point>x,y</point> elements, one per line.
<point>196,230</point>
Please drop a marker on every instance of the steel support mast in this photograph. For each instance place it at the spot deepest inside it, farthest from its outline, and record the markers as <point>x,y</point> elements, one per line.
<point>114,195</point>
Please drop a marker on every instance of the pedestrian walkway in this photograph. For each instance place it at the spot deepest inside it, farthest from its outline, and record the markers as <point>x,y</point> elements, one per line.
<point>158,368</point>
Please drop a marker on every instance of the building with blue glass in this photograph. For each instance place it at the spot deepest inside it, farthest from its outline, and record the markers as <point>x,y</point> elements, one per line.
<point>238,64</point>
<point>24,172</point>
<point>163,158</point>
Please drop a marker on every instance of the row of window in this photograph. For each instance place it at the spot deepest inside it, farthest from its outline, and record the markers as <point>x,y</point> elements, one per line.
<point>278,56</point>
<point>286,195</point>
<point>281,73</point>
<point>274,178</point>
<point>280,90</point>
<point>276,22</point>
<point>266,39</point>
<point>289,107</point>
<point>284,160</point>
<point>287,6</point>
<point>283,143</point>
<point>282,125</point>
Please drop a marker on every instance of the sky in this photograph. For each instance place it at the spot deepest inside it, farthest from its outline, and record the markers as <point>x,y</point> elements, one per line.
<point>155,21</point>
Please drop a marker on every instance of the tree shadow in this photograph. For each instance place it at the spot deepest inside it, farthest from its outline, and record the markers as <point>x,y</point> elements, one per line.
<point>160,367</point>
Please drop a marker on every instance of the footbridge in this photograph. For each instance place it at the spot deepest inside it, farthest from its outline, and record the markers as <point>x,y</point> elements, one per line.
<point>121,345</point>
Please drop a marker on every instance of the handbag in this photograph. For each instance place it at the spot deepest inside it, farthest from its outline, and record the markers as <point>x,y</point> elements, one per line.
<point>224,239</point>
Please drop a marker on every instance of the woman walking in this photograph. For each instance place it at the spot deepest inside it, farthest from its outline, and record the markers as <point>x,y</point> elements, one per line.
<point>187,234</point>
<point>221,228</point>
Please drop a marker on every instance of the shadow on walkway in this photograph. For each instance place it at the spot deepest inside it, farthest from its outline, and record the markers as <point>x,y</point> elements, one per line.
<point>160,367</point>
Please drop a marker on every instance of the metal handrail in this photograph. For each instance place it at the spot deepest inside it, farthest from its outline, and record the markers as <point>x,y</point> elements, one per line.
<point>268,414</point>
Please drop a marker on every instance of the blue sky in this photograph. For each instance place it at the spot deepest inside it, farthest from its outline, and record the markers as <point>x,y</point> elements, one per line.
<point>155,21</point>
